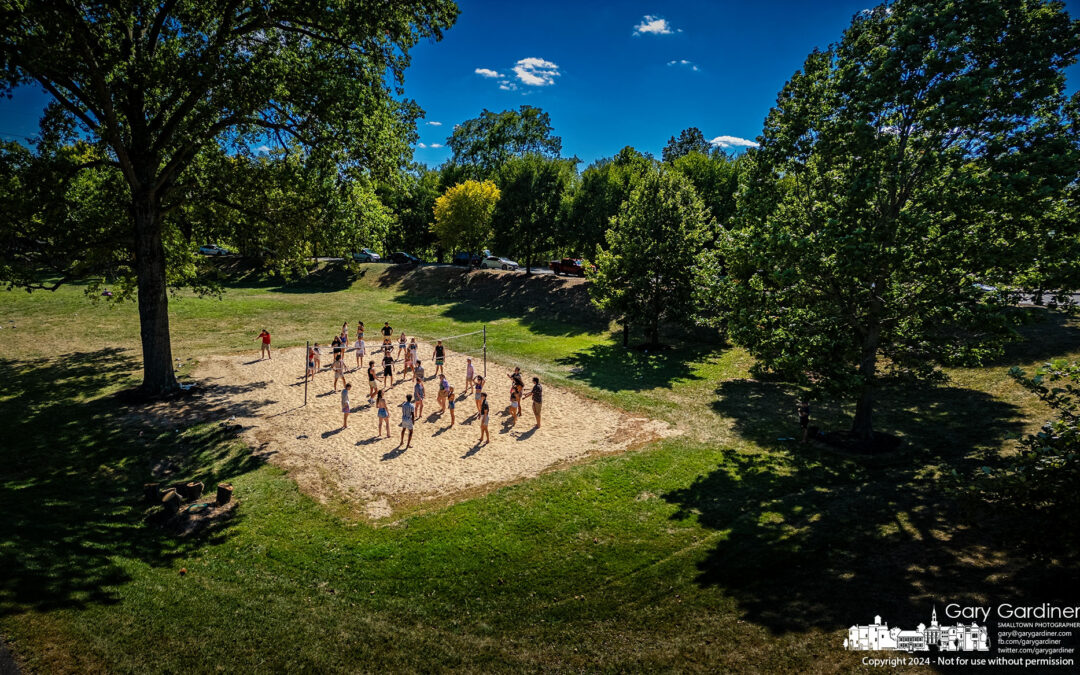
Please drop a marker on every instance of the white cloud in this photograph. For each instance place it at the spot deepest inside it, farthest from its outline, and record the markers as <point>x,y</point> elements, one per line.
<point>488,72</point>
<point>435,124</point>
<point>683,62</point>
<point>536,72</point>
<point>421,146</point>
<point>435,145</point>
<point>263,149</point>
<point>507,85</point>
<point>726,142</point>
<point>654,25</point>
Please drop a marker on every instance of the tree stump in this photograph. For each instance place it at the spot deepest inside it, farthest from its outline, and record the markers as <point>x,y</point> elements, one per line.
<point>224,494</point>
<point>192,491</point>
<point>152,493</point>
<point>171,503</point>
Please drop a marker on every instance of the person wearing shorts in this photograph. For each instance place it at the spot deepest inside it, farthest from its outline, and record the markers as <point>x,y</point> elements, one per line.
<point>383,414</point>
<point>484,419</point>
<point>515,404</point>
<point>265,350</point>
<point>387,331</point>
<point>418,369</point>
<point>450,403</point>
<point>310,373</point>
<point>359,330</point>
<point>443,386</point>
<point>440,357</point>
<point>418,396</point>
<point>478,389</point>
<point>408,416</point>
<point>402,344</point>
<point>339,371</point>
<point>346,406</point>
<point>361,351</point>
<point>537,394</point>
<point>470,376</point>
<point>317,351</point>
<point>388,369</point>
<point>371,382</point>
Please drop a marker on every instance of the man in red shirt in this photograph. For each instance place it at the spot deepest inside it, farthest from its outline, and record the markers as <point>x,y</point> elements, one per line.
<point>265,345</point>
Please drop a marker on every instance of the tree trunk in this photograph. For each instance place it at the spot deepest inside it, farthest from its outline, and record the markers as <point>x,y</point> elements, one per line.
<point>862,427</point>
<point>158,376</point>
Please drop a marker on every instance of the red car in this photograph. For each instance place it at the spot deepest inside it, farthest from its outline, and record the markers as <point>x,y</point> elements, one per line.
<point>569,266</point>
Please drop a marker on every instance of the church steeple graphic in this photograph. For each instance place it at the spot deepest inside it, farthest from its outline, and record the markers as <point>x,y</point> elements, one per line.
<point>933,617</point>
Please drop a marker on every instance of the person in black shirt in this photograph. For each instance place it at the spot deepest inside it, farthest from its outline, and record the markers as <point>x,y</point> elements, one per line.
<point>387,331</point>
<point>388,369</point>
<point>440,357</point>
<point>537,394</point>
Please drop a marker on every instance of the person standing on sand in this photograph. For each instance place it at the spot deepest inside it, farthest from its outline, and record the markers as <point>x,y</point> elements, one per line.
<point>361,350</point>
<point>470,375</point>
<point>804,418</point>
<point>387,331</point>
<point>408,416</point>
<point>309,374</point>
<point>383,413</point>
<point>444,385</point>
<point>418,396</point>
<point>418,369</point>
<point>339,371</point>
<point>515,380</point>
<point>402,345</point>
<point>265,351</point>
<point>484,419</point>
<point>317,350</point>
<point>371,381</point>
<point>537,394</point>
<point>515,403</point>
<point>450,404</point>
<point>388,369</point>
<point>346,406</point>
<point>479,391</point>
<point>440,357</point>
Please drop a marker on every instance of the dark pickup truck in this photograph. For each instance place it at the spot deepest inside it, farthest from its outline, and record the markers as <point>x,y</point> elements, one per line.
<point>568,266</point>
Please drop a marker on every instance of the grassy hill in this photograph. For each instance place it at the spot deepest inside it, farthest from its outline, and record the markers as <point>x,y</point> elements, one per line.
<point>725,549</point>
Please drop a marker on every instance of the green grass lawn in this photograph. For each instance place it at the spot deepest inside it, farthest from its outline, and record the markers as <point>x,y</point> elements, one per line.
<point>721,550</point>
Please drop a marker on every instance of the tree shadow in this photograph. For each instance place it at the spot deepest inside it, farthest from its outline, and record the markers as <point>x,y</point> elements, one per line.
<point>1045,334</point>
<point>613,367</point>
<point>72,469</point>
<point>811,539</point>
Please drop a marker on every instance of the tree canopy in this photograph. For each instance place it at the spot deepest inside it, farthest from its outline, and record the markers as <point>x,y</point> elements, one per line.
<point>534,197</point>
<point>895,172</point>
<point>463,215</point>
<point>152,84</point>
<point>484,143</point>
<point>689,140</point>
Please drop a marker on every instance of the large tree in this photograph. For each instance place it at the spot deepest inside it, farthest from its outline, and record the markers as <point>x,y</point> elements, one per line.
<point>532,205</point>
<point>463,215</point>
<point>481,145</point>
<point>895,172</point>
<point>603,188</point>
<point>153,83</point>
<point>647,273</point>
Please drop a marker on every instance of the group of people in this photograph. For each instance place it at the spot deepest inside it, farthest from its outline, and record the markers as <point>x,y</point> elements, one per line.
<point>413,368</point>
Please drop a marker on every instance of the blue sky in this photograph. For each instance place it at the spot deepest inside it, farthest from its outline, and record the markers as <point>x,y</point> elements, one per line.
<point>610,74</point>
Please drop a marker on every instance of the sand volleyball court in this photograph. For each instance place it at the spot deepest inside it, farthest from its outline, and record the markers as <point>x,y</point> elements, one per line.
<point>378,474</point>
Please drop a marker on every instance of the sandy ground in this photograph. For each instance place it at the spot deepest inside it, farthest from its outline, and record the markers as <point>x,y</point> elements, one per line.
<point>354,464</point>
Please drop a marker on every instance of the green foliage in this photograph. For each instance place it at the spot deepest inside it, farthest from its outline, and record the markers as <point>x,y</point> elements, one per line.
<point>898,169</point>
<point>412,201</point>
<point>484,143</point>
<point>716,179</point>
<point>534,199</point>
<point>1036,486</point>
<point>604,186</point>
<point>463,215</point>
<point>648,272</point>
<point>689,140</point>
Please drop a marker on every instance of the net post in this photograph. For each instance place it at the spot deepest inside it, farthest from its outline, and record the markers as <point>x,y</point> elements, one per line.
<point>307,350</point>
<point>485,352</point>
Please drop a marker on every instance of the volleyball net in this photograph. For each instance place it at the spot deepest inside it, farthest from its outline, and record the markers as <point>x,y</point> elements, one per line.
<point>473,344</point>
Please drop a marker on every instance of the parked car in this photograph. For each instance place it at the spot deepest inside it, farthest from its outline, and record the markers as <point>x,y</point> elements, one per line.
<point>494,262</point>
<point>403,258</point>
<point>366,255</point>
<point>214,249</point>
<point>569,266</point>
<point>466,259</point>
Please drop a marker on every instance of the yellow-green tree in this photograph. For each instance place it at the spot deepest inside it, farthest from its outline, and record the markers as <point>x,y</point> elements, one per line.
<point>463,215</point>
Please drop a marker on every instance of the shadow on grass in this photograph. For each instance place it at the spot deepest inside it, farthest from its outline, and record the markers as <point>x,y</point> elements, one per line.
<point>1044,335</point>
<point>612,367</point>
<point>72,467</point>
<point>809,539</point>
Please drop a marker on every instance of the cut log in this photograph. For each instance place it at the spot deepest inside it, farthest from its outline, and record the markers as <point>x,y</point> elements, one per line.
<point>224,493</point>
<point>152,493</point>
<point>192,491</point>
<point>171,503</point>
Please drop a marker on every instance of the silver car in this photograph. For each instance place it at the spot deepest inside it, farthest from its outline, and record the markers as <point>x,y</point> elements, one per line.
<point>494,262</point>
